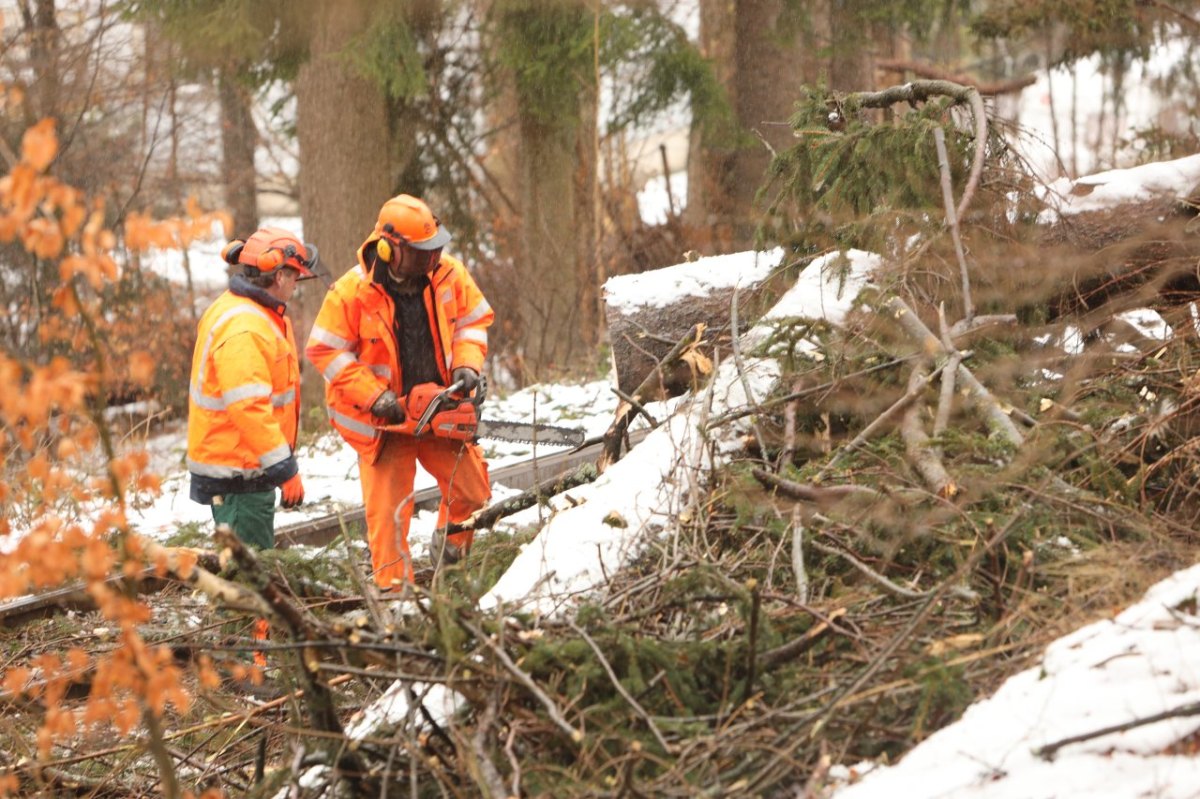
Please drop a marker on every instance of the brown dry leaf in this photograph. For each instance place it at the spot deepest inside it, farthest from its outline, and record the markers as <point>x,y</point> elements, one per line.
<point>954,643</point>
<point>697,361</point>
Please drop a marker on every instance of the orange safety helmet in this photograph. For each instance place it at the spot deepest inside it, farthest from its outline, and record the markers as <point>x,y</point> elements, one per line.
<point>271,248</point>
<point>404,219</point>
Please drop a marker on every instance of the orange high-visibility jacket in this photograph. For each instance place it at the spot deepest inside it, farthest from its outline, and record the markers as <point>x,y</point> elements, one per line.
<point>244,403</point>
<point>353,343</point>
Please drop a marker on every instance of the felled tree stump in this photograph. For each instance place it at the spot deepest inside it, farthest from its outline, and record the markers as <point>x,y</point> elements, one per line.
<point>648,313</point>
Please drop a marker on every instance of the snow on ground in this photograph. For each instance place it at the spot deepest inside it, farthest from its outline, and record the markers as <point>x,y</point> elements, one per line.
<point>1143,662</point>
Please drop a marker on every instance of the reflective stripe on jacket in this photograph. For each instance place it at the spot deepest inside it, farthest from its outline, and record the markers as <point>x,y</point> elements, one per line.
<point>244,403</point>
<point>353,343</point>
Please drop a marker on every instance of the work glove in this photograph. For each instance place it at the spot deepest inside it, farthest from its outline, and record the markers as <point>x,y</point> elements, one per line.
<point>292,492</point>
<point>467,376</point>
<point>388,407</point>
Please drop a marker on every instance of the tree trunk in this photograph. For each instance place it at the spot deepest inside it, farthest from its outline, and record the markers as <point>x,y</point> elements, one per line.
<point>552,292</point>
<point>851,64</point>
<point>346,159</point>
<point>553,311</point>
<point>44,39</point>
<point>238,139</point>
<point>589,267</point>
<point>762,52</point>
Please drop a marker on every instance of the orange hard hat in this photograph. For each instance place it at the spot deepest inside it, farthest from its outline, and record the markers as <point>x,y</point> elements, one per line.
<point>404,219</point>
<point>271,248</point>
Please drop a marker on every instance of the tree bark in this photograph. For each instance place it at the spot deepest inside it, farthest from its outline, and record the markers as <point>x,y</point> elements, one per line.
<point>346,158</point>
<point>44,39</point>
<point>238,139</point>
<point>549,164</point>
<point>762,54</point>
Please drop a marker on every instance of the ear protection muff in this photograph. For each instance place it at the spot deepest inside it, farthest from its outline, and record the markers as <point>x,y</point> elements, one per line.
<point>272,259</point>
<point>232,250</point>
<point>383,248</point>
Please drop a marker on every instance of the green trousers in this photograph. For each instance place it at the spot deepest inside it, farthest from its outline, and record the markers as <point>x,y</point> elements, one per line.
<point>252,517</point>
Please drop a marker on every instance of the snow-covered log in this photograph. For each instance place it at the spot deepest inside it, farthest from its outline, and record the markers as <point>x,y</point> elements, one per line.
<point>649,312</point>
<point>1126,231</point>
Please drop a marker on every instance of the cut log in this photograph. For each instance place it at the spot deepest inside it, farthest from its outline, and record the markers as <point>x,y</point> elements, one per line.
<point>1110,243</point>
<point>649,312</point>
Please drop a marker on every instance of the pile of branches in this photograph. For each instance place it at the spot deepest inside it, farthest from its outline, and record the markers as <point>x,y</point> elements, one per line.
<point>896,540</point>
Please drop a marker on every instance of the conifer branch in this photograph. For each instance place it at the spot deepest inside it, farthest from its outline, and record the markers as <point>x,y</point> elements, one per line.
<point>939,139</point>
<point>919,91</point>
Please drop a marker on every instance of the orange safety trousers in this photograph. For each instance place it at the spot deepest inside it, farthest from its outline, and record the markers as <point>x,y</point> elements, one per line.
<point>387,486</point>
<point>262,632</point>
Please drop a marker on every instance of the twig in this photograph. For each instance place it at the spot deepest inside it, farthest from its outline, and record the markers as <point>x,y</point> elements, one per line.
<point>488,775</point>
<point>939,139</point>
<point>752,642</point>
<point>963,327</point>
<point>741,367</point>
<point>637,406</point>
<point>612,675</point>
<point>789,431</point>
<point>898,590</point>
<point>1048,751</point>
<point>930,71</point>
<point>792,648</point>
<point>798,556</point>
<point>941,419</point>
<point>486,517</point>
<point>766,405</point>
<point>821,495</point>
<point>182,564</point>
<point>914,391</point>
<point>616,431</point>
<point>998,420</point>
<point>921,455</point>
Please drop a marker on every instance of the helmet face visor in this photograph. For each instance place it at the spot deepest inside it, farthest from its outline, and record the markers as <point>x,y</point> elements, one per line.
<point>424,260</point>
<point>408,262</point>
<point>306,262</point>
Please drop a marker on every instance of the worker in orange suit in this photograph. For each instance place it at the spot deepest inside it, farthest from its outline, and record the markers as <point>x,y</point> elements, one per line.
<point>407,314</point>
<point>244,398</point>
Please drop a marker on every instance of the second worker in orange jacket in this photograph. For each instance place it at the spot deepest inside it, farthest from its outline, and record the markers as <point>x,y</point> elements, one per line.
<point>406,314</point>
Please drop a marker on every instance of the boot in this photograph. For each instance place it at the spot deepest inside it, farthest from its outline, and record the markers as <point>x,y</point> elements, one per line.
<point>443,551</point>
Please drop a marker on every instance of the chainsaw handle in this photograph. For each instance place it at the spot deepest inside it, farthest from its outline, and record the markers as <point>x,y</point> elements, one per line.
<point>480,393</point>
<point>434,405</point>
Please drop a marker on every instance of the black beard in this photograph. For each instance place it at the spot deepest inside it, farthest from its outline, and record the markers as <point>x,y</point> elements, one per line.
<point>407,285</point>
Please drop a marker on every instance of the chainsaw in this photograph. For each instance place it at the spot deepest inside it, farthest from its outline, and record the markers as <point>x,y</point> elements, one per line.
<point>431,409</point>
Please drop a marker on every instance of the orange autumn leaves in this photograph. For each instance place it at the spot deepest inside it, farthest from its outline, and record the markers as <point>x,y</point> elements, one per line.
<point>61,480</point>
